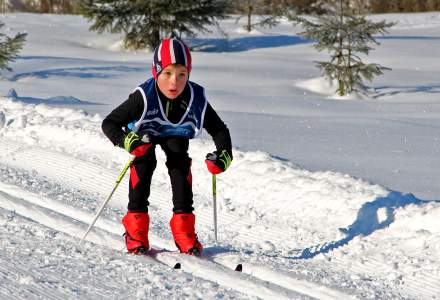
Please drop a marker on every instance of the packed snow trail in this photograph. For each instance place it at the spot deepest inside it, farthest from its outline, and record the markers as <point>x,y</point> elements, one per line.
<point>50,265</point>
<point>107,232</point>
<point>44,210</point>
<point>38,208</point>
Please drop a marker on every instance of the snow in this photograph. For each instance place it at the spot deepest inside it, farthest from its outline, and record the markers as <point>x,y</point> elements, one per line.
<point>327,197</point>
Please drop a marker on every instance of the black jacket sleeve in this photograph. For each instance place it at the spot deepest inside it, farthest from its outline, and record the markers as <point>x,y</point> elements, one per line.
<point>218,130</point>
<point>114,125</point>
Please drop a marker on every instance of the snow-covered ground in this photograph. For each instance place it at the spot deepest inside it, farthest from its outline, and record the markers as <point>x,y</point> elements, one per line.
<point>326,198</point>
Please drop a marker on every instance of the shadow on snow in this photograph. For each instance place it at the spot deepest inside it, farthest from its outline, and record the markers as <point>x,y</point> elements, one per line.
<point>391,90</point>
<point>407,37</point>
<point>80,72</point>
<point>57,100</point>
<point>366,222</point>
<point>269,41</point>
<point>245,43</point>
<point>55,58</point>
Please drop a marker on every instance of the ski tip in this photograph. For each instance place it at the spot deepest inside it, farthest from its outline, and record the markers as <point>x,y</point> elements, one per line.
<point>239,268</point>
<point>177,266</point>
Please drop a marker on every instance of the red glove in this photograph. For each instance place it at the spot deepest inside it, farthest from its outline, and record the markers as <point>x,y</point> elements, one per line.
<point>218,163</point>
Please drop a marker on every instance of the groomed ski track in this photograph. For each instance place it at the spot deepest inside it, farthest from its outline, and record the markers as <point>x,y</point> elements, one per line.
<point>256,280</point>
<point>78,174</point>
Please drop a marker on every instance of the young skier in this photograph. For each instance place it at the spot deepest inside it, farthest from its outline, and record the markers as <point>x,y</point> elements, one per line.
<point>167,110</point>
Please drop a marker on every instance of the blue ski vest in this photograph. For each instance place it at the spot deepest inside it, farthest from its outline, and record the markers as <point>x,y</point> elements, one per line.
<point>154,121</point>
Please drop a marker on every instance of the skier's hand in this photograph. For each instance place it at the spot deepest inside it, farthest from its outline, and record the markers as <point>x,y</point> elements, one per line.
<point>137,145</point>
<point>218,162</point>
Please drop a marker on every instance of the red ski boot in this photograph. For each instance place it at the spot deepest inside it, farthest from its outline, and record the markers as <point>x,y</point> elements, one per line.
<point>136,231</point>
<point>182,226</point>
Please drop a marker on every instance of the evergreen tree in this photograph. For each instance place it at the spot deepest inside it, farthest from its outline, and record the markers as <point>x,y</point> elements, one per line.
<point>144,23</point>
<point>346,36</point>
<point>9,48</point>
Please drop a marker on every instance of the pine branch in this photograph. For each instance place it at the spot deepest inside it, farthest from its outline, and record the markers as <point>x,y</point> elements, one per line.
<point>9,48</point>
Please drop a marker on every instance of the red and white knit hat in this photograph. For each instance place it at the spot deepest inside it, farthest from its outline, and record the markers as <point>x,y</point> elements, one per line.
<point>170,51</point>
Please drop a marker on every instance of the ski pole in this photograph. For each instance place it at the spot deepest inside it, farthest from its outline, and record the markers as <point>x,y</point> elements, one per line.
<point>214,198</point>
<point>118,180</point>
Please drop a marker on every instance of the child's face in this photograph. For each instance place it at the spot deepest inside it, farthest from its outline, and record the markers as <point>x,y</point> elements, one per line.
<point>172,80</point>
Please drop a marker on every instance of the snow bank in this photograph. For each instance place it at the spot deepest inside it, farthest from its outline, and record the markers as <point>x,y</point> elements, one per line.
<point>322,85</point>
<point>60,129</point>
<point>267,206</point>
<point>258,193</point>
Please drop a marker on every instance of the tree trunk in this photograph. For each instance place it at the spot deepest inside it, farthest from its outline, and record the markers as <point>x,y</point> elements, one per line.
<point>67,7</point>
<point>249,16</point>
<point>340,62</point>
